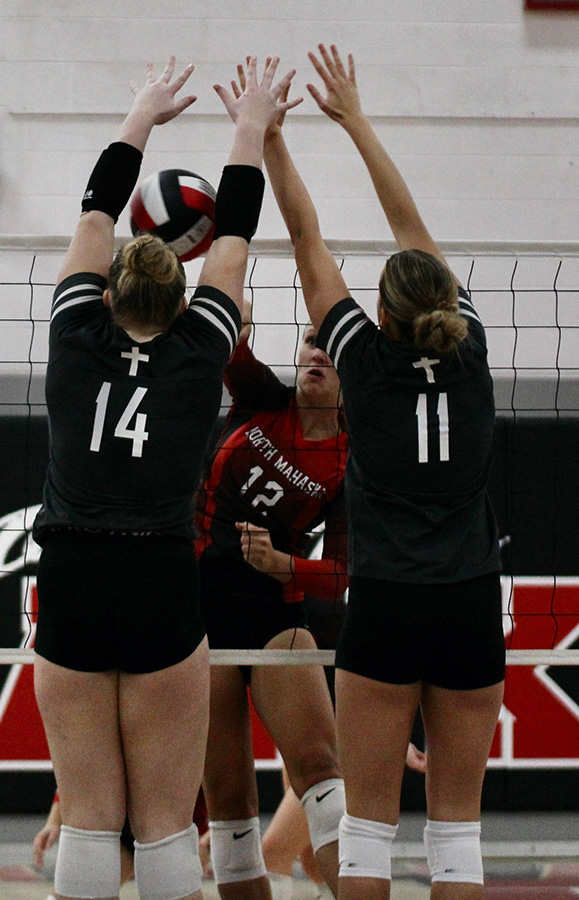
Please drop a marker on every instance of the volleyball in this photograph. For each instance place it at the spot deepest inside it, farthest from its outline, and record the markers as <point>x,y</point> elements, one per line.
<point>179,207</point>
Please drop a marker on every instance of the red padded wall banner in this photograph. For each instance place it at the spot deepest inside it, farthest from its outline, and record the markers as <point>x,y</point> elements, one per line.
<point>553,5</point>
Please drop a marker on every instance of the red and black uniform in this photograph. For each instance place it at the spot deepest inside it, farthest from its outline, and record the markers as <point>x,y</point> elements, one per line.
<point>265,471</point>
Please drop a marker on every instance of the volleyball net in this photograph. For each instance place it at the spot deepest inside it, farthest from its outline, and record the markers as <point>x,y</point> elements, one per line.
<point>527,296</point>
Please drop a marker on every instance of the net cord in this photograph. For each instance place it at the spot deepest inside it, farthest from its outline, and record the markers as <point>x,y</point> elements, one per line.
<point>283,247</point>
<point>19,656</point>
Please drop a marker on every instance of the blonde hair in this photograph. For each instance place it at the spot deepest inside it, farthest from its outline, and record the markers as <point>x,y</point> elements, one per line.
<point>147,283</point>
<point>421,295</point>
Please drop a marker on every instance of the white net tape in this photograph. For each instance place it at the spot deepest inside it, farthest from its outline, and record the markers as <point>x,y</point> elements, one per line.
<point>18,656</point>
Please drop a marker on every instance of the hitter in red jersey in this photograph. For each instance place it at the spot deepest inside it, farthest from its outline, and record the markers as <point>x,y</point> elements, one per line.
<point>277,473</point>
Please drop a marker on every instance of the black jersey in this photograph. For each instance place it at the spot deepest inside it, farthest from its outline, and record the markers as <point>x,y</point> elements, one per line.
<point>420,431</point>
<point>130,422</point>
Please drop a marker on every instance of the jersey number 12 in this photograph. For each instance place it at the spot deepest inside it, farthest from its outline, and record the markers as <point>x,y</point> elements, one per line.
<point>137,435</point>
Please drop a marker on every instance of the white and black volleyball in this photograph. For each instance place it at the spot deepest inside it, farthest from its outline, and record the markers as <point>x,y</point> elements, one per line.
<point>179,207</point>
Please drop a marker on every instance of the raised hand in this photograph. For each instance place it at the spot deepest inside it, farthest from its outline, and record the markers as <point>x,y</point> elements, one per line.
<point>342,102</point>
<point>262,102</point>
<point>157,98</point>
<point>238,88</point>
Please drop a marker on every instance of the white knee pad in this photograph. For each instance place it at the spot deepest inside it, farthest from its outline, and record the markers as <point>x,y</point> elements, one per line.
<point>169,868</point>
<point>88,863</point>
<point>366,848</point>
<point>324,804</point>
<point>453,851</point>
<point>282,886</point>
<point>236,850</point>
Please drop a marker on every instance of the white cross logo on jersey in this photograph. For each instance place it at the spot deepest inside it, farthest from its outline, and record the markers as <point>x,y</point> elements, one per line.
<point>136,357</point>
<point>427,364</point>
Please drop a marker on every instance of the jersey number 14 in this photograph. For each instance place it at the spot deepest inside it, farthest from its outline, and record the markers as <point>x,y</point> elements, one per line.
<point>137,435</point>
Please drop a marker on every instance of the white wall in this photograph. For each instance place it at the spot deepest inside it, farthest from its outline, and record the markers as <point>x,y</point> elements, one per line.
<point>476,99</point>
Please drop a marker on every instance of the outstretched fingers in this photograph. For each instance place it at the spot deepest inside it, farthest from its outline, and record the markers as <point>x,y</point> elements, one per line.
<point>239,86</point>
<point>251,75</point>
<point>351,69</point>
<point>318,97</point>
<point>247,85</point>
<point>180,80</point>
<point>320,69</point>
<point>168,70</point>
<point>151,77</point>
<point>224,96</point>
<point>183,103</point>
<point>271,64</point>
<point>333,62</point>
<point>341,101</point>
<point>282,91</point>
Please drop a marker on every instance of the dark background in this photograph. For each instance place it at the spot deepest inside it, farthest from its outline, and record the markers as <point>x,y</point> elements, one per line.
<point>535,488</point>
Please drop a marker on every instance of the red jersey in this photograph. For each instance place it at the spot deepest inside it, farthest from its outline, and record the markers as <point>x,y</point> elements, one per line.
<point>265,471</point>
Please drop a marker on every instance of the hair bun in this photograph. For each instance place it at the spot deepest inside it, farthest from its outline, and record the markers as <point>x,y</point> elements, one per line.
<point>439,330</point>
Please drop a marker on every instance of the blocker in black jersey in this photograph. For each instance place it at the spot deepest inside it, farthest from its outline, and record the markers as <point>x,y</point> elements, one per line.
<point>423,548</point>
<point>420,431</point>
<point>130,422</point>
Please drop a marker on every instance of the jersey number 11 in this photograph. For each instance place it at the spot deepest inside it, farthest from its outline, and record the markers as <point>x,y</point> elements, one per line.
<point>443,428</point>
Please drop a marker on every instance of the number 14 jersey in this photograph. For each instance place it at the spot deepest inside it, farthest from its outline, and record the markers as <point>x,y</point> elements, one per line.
<point>130,422</point>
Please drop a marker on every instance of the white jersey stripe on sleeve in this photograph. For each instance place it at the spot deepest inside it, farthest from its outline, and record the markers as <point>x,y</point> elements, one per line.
<point>468,314</point>
<point>76,302</point>
<point>226,315</point>
<point>354,313</point>
<point>352,331</point>
<point>90,288</point>
<point>464,306</point>
<point>211,317</point>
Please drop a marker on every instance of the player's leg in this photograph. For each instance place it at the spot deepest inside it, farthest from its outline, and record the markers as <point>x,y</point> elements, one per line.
<point>164,720</point>
<point>77,692</point>
<point>80,715</point>
<point>286,835</point>
<point>286,839</point>
<point>230,789</point>
<point>459,726</point>
<point>164,709</point>
<point>295,706</point>
<point>461,702</point>
<point>374,721</point>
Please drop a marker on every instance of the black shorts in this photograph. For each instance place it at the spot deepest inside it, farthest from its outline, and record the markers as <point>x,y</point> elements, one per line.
<point>242,608</point>
<point>449,635</point>
<point>325,619</point>
<point>128,838</point>
<point>117,601</point>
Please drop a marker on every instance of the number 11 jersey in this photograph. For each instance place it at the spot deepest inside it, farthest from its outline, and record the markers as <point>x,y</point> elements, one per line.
<point>420,431</point>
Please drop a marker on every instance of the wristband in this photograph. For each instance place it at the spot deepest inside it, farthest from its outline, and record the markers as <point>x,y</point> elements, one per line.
<point>238,202</point>
<point>113,179</point>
